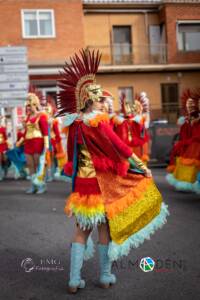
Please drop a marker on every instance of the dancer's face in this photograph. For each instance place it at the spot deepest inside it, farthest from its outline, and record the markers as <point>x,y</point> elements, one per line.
<point>98,105</point>
<point>190,106</point>
<point>28,109</point>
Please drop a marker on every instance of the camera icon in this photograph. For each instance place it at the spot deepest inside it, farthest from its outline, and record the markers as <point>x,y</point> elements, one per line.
<point>28,265</point>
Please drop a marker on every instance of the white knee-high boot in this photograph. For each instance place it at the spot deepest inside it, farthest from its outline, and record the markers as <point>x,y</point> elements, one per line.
<point>76,263</point>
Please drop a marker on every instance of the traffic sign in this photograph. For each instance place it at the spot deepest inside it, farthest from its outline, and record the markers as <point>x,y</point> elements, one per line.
<point>11,103</point>
<point>13,95</point>
<point>13,86</point>
<point>12,59</point>
<point>13,50</point>
<point>14,77</point>
<point>14,68</point>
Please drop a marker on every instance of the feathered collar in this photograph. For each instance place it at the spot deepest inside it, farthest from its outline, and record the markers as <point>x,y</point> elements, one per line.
<point>90,119</point>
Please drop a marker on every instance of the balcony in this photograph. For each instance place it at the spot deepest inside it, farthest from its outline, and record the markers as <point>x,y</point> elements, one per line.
<point>127,54</point>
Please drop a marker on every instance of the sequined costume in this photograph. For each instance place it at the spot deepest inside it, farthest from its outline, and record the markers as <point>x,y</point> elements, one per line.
<point>185,156</point>
<point>185,134</point>
<point>108,181</point>
<point>128,194</point>
<point>130,127</point>
<point>36,142</point>
<point>36,130</point>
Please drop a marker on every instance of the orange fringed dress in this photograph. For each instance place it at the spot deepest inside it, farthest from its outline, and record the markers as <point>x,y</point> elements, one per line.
<point>180,146</point>
<point>104,187</point>
<point>187,166</point>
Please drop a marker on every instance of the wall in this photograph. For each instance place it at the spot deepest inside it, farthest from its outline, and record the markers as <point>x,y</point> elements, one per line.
<point>68,23</point>
<point>98,32</point>
<point>143,82</point>
<point>174,13</point>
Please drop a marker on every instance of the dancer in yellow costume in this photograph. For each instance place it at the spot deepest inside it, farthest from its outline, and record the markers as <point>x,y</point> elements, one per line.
<point>111,188</point>
<point>187,161</point>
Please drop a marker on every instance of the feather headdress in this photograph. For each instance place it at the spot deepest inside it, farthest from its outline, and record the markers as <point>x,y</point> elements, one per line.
<point>76,78</point>
<point>189,100</point>
<point>36,95</point>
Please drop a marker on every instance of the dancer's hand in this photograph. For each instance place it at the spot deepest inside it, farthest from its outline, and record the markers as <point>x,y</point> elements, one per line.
<point>147,173</point>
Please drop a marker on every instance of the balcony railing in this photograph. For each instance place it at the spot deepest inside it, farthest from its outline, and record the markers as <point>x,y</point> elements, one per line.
<point>127,54</point>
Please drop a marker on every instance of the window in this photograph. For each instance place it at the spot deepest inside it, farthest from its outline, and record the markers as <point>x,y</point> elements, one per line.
<point>122,45</point>
<point>169,93</point>
<point>188,36</point>
<point>38,23</point>
<point>157,47</point>
<point>128,91</point>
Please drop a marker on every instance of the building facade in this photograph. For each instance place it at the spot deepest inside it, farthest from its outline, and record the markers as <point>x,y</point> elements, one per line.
<point>51,30</point>
<point>151,46</point>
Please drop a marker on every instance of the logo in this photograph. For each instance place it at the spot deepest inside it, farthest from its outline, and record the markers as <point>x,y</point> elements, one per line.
<point>44,264</point>
<point>147,264</point>
<point>28,265</point>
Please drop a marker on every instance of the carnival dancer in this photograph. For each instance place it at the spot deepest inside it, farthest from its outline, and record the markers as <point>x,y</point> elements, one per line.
<point>185,131</point>
<point>123,122</point>
<point>56,156</point>
<point>108,103</point>
<point>3,147</point>
<point>140,127</point>
<point>187,164</point>
<point>144,100</point>
<point>197,182</point>
<point>111,188</point>
<point>36,143</point>
<point>17,156</point>
<point>130,127</point>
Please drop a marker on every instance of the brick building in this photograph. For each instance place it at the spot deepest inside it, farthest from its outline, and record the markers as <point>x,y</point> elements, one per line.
<point>52,30</point>
<point>146,45</point>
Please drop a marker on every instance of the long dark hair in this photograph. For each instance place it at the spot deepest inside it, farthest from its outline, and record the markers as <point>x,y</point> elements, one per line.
<point>88,104</point>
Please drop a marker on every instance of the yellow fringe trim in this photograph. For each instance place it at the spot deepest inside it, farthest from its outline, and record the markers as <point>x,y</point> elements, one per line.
<point>86,204</point>
<point>131,197</point>
<point>136,216</point>
<point>87,211</point>
<point>184,172</point>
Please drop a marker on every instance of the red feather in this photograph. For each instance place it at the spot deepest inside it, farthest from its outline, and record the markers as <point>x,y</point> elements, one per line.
<point>86,63</point>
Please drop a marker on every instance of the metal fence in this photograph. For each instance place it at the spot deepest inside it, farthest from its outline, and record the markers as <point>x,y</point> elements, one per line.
<point>128,54</point>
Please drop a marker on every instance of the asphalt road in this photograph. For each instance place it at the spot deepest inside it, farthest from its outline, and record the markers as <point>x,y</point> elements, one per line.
<point>35,239</point>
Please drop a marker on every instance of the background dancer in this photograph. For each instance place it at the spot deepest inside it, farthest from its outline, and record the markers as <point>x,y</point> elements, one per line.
<point>3,147</point>
<point>36,143</point>
<point>56,156</point>
<point>186,153</point>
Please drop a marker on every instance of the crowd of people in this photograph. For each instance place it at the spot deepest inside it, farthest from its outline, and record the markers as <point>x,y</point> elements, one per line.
<point>38,154</point>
